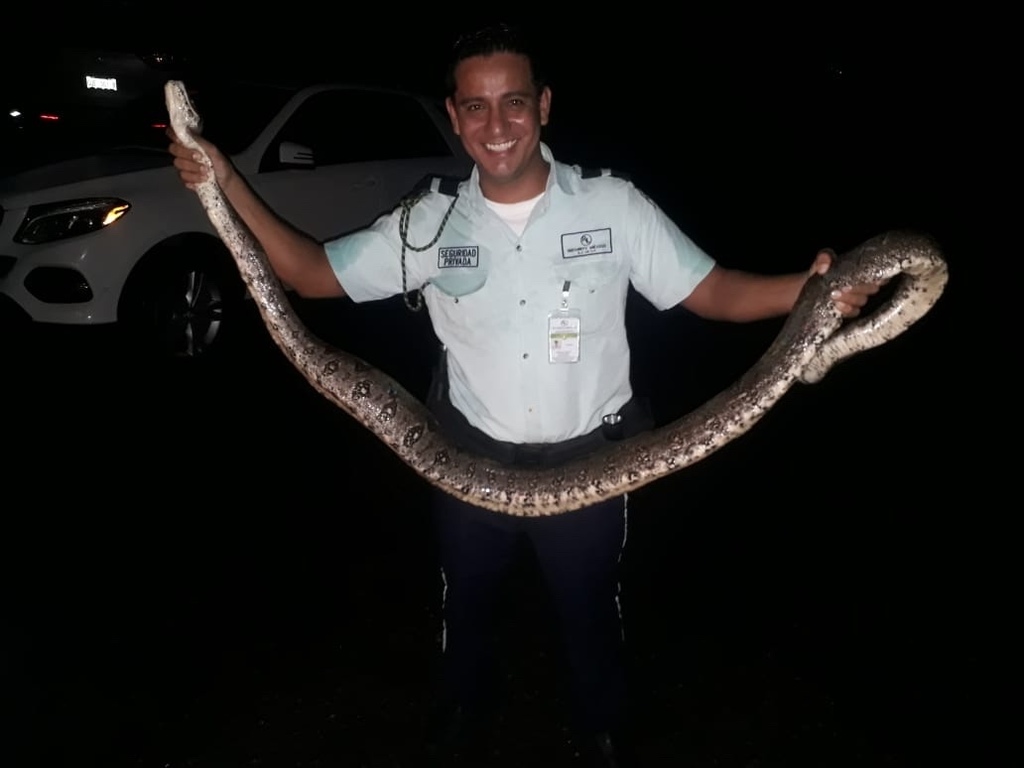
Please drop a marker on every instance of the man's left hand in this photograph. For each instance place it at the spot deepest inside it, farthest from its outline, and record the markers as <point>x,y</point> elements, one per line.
<point>849,299</point>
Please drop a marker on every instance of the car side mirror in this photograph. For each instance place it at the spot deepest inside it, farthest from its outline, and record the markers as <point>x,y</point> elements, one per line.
<point>289,153</point>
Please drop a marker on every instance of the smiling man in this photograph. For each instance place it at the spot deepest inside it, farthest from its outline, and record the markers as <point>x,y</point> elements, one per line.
<point>524,268</point>
<point>497,109</point>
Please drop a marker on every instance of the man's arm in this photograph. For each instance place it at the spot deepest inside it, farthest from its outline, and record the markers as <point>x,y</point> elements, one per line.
<point>729,294</point>
<point>299,261</point>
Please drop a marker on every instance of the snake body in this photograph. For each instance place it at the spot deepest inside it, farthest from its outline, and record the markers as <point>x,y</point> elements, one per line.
<point>813,339</point>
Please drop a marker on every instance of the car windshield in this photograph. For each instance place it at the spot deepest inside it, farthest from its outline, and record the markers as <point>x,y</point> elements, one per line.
<point>39,128</point>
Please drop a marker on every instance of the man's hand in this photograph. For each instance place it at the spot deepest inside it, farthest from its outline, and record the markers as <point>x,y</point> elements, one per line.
<point>191,170</point>
<point>850,299</point>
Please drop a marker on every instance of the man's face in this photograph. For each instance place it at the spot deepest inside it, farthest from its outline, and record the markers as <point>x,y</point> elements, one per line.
<point>497,113</point>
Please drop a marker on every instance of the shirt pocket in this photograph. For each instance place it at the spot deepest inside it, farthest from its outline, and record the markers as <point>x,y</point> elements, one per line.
<point>456,283</point>
<point>596,289</point>
<point>464,308</point>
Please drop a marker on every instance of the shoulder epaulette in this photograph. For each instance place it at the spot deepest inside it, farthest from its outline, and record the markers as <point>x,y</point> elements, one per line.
<point>593,173</point>
<point>445,185</point>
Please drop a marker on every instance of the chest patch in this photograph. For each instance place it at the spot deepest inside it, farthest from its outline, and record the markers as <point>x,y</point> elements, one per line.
<point>462,256</point>
<point>588,243</point>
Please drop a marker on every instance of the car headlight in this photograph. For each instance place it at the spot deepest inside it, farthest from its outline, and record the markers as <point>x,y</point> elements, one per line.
<point>68,218</point>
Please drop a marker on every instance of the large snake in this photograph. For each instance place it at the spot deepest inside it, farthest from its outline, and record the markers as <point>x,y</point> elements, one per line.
<point>812,340</point>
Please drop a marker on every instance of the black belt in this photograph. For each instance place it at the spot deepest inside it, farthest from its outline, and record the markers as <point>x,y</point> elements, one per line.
<point>634,417</point>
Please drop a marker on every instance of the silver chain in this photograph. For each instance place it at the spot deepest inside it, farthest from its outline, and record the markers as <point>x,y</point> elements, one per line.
<point>403,233</point>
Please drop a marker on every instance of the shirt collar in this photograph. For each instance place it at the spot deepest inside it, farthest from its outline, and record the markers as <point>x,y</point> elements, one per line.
<point>559,175</point>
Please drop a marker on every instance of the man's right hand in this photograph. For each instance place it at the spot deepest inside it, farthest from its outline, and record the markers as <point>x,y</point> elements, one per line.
<point>298,260</point>
<point>192,170</point>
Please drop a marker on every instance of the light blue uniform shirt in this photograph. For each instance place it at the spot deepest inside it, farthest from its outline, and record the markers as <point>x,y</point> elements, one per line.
<point>490,293</point>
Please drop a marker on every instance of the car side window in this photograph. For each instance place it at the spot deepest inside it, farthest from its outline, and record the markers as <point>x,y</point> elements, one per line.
<point>352,126</point>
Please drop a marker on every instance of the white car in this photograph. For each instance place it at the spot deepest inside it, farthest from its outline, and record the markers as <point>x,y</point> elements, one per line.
<point>115,237</point>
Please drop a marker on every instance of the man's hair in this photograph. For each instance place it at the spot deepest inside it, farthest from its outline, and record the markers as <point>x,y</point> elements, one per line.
<point>494,38</point>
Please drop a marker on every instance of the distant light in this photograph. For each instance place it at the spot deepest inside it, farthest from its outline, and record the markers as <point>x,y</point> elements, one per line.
<point>15,113</point>
<point>101,83</point>
<point>49,117</point>
<point>160,125</point>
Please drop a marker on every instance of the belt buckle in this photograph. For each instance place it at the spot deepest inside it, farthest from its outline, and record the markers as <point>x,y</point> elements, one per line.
<point>611,426</point>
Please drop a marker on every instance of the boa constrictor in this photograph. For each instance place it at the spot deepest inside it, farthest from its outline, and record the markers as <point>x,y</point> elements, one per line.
<point>812,340</point>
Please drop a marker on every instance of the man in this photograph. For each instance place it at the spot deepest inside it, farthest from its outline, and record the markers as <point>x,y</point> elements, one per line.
<point>526,285</point>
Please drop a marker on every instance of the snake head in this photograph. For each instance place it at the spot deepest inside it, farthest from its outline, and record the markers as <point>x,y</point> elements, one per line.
<point>183,116</point>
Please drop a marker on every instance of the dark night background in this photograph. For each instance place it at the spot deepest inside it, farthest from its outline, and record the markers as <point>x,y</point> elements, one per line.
<point>214,567</point>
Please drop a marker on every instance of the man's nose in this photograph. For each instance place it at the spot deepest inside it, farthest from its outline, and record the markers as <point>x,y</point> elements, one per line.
<point>497,120</point>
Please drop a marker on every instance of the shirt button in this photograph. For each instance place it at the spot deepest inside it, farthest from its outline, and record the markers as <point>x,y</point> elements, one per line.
<point>519,247</point>
<point>525,355</point>
<point>522,302</point>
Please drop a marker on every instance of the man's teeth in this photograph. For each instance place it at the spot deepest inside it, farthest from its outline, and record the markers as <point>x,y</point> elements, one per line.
<point>500,147</point>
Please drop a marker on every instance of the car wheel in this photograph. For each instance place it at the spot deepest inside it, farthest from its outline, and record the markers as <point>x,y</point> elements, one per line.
<point>183,302</point>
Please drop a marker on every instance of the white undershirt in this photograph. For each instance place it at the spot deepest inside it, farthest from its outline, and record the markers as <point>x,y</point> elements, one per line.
<point>515,214</point>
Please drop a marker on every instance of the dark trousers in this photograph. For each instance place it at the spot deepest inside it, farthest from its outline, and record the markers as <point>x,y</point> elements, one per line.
<point>579,554</point>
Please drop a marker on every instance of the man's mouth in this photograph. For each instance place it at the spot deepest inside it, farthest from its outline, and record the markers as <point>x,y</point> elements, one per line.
<point>502,147</point>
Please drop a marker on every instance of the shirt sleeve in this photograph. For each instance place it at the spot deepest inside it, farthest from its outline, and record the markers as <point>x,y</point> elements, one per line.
<point>368,263</point>
<point>665,264</point>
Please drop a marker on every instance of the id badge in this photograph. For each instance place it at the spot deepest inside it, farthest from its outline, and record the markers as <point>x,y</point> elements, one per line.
<point>564,336</point>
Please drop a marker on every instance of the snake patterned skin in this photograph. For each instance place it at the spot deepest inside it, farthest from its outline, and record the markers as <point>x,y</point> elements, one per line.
<point>813,339</point>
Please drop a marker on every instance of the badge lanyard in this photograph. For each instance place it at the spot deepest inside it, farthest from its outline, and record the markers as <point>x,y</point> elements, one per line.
<point>564,331</point>
<point>403,232</point>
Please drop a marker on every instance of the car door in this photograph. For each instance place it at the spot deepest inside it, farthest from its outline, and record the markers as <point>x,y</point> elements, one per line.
<point>410,142</point>
<point>311,175</point>
<point>366,149</point>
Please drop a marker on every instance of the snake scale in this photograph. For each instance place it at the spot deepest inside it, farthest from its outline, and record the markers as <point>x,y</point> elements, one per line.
<point>813,339</point>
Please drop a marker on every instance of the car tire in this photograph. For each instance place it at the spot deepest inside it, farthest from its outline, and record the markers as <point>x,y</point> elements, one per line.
<point>183,301</point>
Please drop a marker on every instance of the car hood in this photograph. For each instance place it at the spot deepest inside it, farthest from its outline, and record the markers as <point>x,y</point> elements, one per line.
<point>109,163</point>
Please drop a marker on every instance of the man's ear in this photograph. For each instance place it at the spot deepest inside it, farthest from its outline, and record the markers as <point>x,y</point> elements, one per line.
<point>449,105</point>
<point>545,105</point>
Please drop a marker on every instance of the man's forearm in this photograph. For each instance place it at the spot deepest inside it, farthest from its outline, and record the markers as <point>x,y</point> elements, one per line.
<point>737,296</point>
<point>299,261</point>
